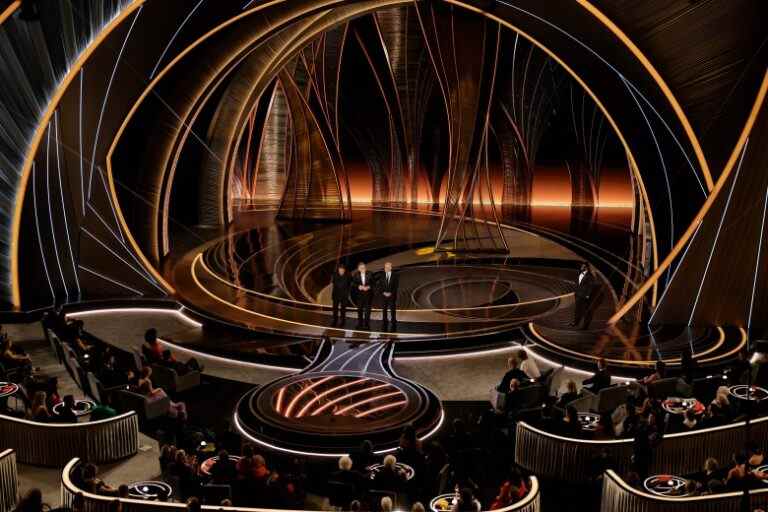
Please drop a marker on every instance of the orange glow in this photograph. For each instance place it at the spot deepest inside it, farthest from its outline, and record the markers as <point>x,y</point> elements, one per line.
<point>551,187</point>
<point>326,393</point>
<point>337,400</point>
<point>367,401</point>
<point>382,408</point>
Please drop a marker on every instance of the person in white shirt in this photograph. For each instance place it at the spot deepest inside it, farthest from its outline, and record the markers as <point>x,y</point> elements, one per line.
<point>528,366</point>
<point>362,285</point>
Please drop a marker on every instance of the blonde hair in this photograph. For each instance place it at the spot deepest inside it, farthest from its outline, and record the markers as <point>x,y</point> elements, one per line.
<point>390,460</point>
<point>386,503</point>
<point>345,463</point>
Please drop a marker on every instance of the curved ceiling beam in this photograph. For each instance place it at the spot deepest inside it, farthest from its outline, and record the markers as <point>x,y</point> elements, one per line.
<point>682,242</point>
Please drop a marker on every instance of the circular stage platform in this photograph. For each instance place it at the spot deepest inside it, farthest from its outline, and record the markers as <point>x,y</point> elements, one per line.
<point>347,395</point>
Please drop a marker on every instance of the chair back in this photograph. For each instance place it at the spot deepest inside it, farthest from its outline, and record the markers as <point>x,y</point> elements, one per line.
<point>95,387</point>
<point>214,494</point>
<point>498,400</point>
<point>610,398</point>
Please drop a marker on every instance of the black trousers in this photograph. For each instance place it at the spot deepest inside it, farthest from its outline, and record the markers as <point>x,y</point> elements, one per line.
<point>389,304</point>
<point>339,310</point>
<point>364,309</point>
<point>580,310</point>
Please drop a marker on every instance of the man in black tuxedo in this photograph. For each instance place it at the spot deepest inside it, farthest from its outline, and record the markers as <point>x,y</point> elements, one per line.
<point>341,285</point>
<point>388,284</point>
<point>362,284</point>
<point>585,287</point>
<point>601,378</point>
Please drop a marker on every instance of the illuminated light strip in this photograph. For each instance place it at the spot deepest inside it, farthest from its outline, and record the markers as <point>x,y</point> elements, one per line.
<point>303,392</point>
<point>109,249</point>
<point>50,209</point>
<point>111,311</point>
<point>734,351</point>
<point>110,200</point>
<point>651,281</point>
<point>663,167</point>
<point>360,352</point>
<point>63,205</point>
<point>326,365</point>
<point>106,99</point>
<point>367,401</point>
<point>370,358</point>
<point>381,408</point>
<point>717,234</point>
<point>39,235</point>
<point>173,38</point>
<point>8,12</point>
<point>537,334</point>
<point>137,292</point>
<point>349,395</point>
<point>324,394</point>
<point>38,135</point>
<point>279,402</point>
<point>80,141</point>
<point>757,262</point>
<point>660,82</point>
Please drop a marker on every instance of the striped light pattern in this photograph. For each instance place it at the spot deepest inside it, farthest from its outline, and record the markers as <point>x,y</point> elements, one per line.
<point>339,395</point>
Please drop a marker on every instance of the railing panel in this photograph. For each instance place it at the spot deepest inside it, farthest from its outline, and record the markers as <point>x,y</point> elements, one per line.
<point>551,456</point>
<point>97,503</point>
<point>54,444</point>
<point>618,496</point>
<point>9,481</point>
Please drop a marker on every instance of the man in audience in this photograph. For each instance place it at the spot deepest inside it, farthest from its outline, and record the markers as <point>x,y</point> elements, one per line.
<point>349,476</point>
<point>600,380</point>
<point>389,478</point>
<point>224,470</point>
<point>513,372</point>
<point>67,411</point>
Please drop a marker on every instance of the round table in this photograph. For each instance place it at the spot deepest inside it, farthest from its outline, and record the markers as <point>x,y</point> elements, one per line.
<point>7,389</point>
<point>82,407</point>
<point>150,490</point>
<point>744,392</point>
<point>589,421</point>
<point>205,467</point>
<point>448,499</point>
<point>669,486</point>
<point>405,469</point>
<point>674,405</point>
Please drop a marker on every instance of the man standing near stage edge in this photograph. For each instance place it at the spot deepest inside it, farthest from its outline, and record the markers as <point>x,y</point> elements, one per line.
<point>362,284</point>
<point>388,284</point>
<point>341,284</point>
<point>585,287</point>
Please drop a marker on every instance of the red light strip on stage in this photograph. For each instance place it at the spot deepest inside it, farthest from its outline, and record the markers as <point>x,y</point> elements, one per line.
<point>367,401</point>
<point>279,404</point>
<point>348,395</point>
<point>326,393</point>
<point>382,408</point>
<point>301,393</point>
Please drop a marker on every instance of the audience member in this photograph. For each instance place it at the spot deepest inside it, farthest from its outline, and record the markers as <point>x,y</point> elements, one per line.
<point>31,502</point>
<point>176,409</point>
<point>466,502</point>
<point>95,485</point>
<point>658,374</point>
<point>600,380</point>
<point>67,411</point>
<point>528,365</point>
<point>38,411</point>
<point>513,372</point>
<point>571,394</point>
<point>224,470</point>
<point>389,478</point>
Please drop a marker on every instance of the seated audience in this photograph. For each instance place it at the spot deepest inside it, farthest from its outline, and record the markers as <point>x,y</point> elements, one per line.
<point>389,478</point>
<point>658,374</point>
<point>154,353</point>
<point>31,502</point>
<point>571,394</point>
<point>348,476</point>
<point>145,387</point>
<point>10,356</point>
<point>67,412</point>
<point>690,422</point>
<point>528,365</point>
<point>513,372</point>
<point>95,485</point>
<point>466,502</point>
<point>386,505</point>
<point>571,426</point>
<point>252,466</point>
<point>600,380</point>
<point>38,411</point>
<point>224,470</point>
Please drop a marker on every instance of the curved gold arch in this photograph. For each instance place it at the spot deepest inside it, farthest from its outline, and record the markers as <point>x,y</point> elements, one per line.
<point>8,12</point>
<point>135,4</point>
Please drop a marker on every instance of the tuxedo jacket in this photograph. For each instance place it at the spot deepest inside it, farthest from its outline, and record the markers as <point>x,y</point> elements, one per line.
<point>357,280</point>
<point>585,288</point>
<point>341,286</point>
<point>388,286</point>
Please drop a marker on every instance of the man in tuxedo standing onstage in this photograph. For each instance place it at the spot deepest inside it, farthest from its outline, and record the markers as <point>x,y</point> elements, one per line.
<point>585,286</point>
<point>388,283</point>
<point>341,285</point>
<point>362,284</point>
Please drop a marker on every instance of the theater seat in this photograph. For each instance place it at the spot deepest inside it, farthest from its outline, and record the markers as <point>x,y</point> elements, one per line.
<point>169,379</point>
<point>125,400</point>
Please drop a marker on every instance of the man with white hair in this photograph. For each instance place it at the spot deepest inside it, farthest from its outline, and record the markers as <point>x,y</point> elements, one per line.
<point>389,478</point>
<point>348,476</point>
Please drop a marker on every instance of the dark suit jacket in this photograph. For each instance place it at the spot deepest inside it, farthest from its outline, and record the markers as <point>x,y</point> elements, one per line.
<point>391,286</point>
<point>600,380</point>
<point>584,289</point>
<point>357,280</point>
<point>341,286</point>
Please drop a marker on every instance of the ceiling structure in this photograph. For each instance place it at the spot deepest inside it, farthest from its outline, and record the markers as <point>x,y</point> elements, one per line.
<point>101,102</point>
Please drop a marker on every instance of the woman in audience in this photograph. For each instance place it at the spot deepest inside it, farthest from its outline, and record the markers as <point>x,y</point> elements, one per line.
<point>571,394</point>
<point>9,356</point>
<point>571,426</point>
<point>658,374</point>
<point>528,365</point>
<point>38,410</point>
<point>418,507</point>
<point>755,454</point>
<point>167,456</point>
<point>145,387</point>
<point>95,485</point>
<point>183,469</point>
<point>386,505</point>
<point>719,411</point>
